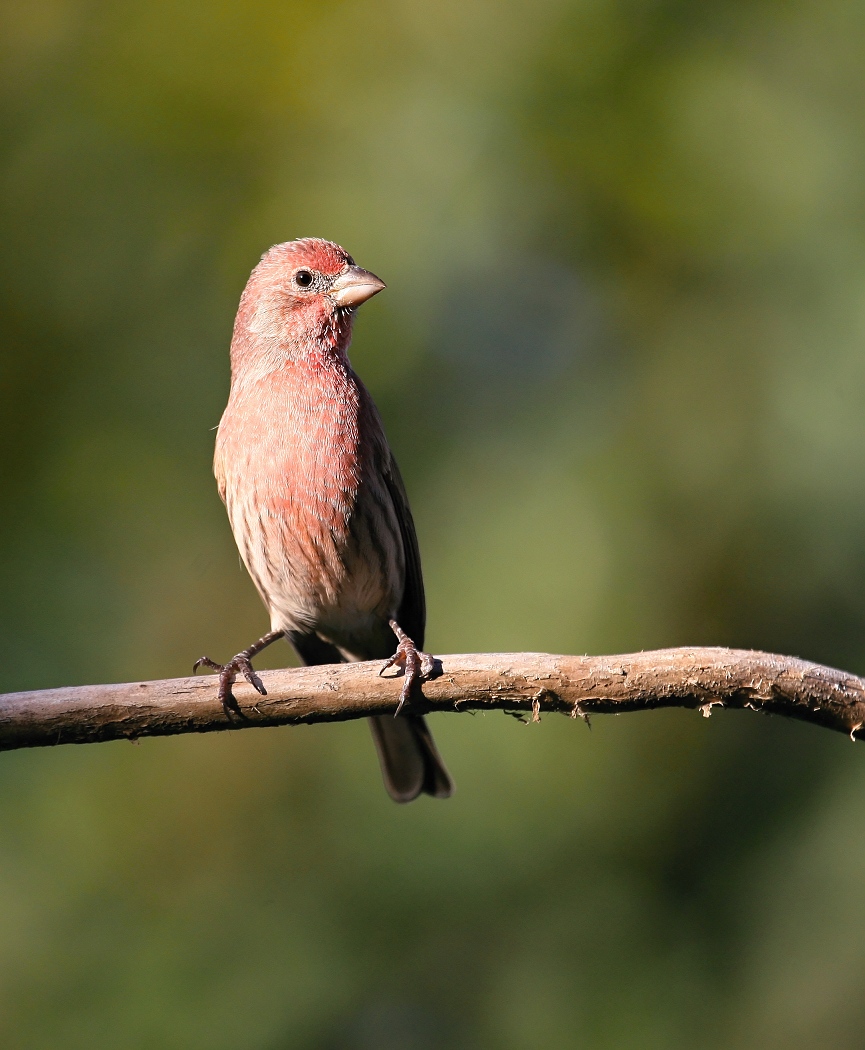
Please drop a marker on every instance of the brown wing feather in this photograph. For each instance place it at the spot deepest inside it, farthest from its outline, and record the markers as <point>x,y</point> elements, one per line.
<point>410,762</point>
<point>411,615</point>
<point>409,758</point>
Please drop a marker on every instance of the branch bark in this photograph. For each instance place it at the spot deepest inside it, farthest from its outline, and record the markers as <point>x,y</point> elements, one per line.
<point>521,683</point>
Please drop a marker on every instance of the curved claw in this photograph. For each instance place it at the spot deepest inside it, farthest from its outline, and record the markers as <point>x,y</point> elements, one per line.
<point>205,661</point>
<point>395,659</point>
<point>241,663</point>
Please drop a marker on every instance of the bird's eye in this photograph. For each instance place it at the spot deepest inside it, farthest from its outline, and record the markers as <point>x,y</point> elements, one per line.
<point>303,278</point>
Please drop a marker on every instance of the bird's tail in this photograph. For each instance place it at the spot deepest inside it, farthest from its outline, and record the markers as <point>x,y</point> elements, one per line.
<point>410,762</point>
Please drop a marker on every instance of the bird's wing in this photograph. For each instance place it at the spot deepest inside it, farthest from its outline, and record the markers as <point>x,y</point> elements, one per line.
<point>411,615</point>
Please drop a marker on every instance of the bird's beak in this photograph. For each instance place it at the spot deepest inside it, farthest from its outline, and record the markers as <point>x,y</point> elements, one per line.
<point>354,286</point>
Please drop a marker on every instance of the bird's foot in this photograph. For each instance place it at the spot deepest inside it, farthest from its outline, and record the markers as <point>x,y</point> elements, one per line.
<point>240,664</point>
<point>416,665</point>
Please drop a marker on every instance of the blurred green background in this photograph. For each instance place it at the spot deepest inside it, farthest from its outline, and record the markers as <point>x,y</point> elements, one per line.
<point>621,360</point>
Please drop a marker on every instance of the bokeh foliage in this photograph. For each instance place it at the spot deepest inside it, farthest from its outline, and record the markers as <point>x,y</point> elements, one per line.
<point>622,362</point>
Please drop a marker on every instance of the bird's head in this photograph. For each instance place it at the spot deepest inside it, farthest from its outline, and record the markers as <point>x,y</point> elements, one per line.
<point>302,294</point>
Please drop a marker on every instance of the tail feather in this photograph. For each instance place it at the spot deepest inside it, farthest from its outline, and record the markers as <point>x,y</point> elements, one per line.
<point>410,762</point>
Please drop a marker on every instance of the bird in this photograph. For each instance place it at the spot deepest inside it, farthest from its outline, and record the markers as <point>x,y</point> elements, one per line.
<point>315,499</point>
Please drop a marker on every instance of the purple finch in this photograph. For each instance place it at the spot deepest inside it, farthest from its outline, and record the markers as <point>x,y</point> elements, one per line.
<point>314,496</point>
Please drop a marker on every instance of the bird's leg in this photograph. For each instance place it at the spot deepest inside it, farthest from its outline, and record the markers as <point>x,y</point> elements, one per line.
<point>415,664</point>
<point>240,664</point>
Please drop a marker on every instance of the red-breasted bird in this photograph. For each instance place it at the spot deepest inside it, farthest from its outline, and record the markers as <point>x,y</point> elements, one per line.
<point>315,499</point>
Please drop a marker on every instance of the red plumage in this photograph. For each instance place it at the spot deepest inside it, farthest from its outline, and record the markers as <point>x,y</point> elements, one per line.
<point>314,495</point>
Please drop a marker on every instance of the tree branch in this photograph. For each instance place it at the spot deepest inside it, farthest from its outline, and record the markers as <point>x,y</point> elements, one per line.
<point>526,683</point>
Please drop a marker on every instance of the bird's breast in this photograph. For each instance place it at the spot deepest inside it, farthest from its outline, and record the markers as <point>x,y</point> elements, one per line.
<point>298,462</point>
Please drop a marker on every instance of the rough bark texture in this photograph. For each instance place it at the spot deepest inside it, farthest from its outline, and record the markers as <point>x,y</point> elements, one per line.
<point>530,683</point>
